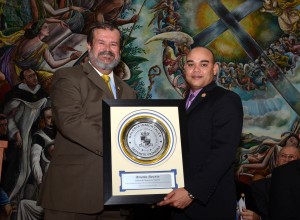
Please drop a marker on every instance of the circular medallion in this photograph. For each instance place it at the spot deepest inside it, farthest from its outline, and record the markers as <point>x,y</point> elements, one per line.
<point>145,139</point>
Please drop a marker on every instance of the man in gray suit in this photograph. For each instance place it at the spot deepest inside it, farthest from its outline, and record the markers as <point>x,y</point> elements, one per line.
<point>73,185</point>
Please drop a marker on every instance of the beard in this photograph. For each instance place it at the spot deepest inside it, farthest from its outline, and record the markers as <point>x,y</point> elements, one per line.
<point>102,65</point>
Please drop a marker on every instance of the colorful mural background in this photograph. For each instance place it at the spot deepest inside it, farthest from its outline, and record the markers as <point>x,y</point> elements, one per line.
<point>256,43</point>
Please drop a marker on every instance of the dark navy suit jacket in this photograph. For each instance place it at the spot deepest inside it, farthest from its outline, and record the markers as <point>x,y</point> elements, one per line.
<point>285,192</point>
<point>214,124</point>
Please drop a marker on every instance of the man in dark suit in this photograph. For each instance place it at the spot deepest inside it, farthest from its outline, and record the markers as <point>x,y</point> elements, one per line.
<point>285,192</point>
<point>214,125</point>
<point>261,188</point>
<point>73,185</point>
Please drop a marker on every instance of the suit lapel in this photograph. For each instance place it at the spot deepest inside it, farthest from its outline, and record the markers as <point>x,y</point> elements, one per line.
<point>96,79</point>
<point>119,87</point>
<point>203,94</point>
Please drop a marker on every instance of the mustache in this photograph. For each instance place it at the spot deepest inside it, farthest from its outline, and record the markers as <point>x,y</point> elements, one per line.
<point>107,53</point>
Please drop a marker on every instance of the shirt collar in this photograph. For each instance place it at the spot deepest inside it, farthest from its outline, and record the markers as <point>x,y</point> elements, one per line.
<point>24,86</point>
<point>111,75</point>
<point>195,93</point>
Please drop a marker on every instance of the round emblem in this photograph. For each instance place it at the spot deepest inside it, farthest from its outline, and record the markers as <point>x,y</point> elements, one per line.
<point>145,139</point>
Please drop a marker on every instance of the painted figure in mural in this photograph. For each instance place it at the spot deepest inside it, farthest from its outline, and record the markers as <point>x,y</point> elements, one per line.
<point>122,71</point>
<point>280,60</point>
<point>108,11</point>
<point>45,79</point>
<point>23,105</point>
<point>176,46</point>
<point>2,76</point>
<point>214,122</point>
<point>65,13</point>
<point>29,52</point>
<point>261,188</point>
<point>28,209</point>
<point>76,103</point>
<point>32,51</point>
<point>40,139</point>
<point>173,64</point>
<point>288,47</point>
<point>5,206</point>
<point>284,199</point>
<point>4,87</point>
<point>260,160</point>
<point>248,76</point>
<point>165,18</point>
<point>287,12</point>
<point>291,44</point>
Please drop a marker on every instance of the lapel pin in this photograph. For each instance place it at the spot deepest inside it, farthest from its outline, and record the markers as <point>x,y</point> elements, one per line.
<point>203,95</point>
<point>119,88</point>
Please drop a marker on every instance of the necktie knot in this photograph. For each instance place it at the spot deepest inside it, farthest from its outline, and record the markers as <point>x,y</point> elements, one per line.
<point>191,97</point>
<point>106,79</point>
<point>190,100</point>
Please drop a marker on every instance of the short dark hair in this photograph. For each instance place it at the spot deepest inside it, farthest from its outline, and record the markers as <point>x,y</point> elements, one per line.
<point>42,114</point>
<point>22,77</point>
<point>34,29</point>
<point>104,25</point>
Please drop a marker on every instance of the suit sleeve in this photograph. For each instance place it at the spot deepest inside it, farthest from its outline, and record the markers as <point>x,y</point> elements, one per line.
<point>70,117</point>
<point>227,123</point>
<point>260,191</point>
<point>282,205</point>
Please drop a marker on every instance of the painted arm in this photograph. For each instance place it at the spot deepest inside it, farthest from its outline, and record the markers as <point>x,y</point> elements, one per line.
<point>58,63</point>
<point>261,165</point>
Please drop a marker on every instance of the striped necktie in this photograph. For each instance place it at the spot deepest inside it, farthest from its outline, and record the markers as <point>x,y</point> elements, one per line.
<point>190,100</point>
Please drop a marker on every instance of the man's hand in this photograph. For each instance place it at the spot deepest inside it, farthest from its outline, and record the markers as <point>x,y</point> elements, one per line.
<point>249,215</point>
<point>178,198</point>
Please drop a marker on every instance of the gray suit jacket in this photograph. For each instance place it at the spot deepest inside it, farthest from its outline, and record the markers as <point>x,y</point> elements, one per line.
<point>74,180</point>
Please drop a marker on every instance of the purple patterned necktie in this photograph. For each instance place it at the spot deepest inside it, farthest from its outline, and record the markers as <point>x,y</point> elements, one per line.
<point>190,100</point>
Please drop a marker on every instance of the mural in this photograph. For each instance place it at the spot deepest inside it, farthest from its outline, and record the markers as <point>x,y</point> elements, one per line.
<point>256,42</point>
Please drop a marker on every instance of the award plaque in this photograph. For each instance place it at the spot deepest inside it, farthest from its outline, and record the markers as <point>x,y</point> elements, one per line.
<point>142,150</point>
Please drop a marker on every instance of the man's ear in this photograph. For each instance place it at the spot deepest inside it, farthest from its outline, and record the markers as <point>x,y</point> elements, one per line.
<point>88,46</point>
<point>216,68</point>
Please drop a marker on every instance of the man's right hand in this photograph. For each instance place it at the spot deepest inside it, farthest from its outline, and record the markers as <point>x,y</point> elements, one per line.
<point>249,215</point>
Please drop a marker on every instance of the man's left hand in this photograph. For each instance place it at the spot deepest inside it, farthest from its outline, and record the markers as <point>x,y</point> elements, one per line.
<point>178,198</point>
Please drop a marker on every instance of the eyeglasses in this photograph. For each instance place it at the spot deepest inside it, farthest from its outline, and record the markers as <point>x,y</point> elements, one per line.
<point>287,156</point>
